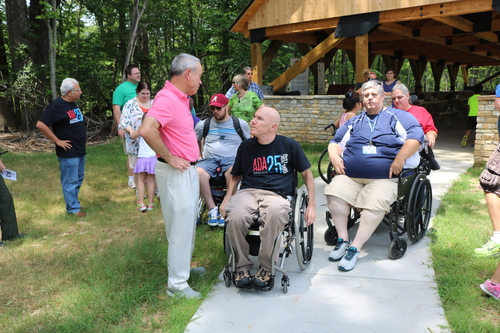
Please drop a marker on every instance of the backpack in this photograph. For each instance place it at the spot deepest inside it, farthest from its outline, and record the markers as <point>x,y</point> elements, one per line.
<point>236,123</point>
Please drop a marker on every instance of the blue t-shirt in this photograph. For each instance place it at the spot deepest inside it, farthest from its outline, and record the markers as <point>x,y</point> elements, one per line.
<point>387,131</point>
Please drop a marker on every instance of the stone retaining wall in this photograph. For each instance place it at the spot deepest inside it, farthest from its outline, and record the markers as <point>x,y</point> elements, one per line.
<point>304,118</point>
<point>486,130</point>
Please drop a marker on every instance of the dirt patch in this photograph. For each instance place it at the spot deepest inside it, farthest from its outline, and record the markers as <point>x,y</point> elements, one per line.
<point>37,142</point>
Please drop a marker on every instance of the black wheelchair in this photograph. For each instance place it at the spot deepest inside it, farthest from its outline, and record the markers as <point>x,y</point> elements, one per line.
<point>295,237</point>
<point>218,188</point>
<point>410,213</point>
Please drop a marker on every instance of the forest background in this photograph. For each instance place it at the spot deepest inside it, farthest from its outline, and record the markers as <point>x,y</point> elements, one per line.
<point>43,42</point>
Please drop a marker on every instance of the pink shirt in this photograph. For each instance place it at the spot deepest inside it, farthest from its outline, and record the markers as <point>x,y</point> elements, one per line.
<point>171,110</point>
<point>424,118</point>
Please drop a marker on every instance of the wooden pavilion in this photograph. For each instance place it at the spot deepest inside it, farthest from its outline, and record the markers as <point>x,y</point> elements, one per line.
<point>453,34</point>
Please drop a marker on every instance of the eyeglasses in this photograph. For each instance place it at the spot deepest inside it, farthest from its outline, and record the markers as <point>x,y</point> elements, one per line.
<point>77,90</point>
<point>213,108</point>
<point>234,82</point>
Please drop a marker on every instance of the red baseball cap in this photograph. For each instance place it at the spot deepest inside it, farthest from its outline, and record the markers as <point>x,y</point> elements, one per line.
<point>218,100</point>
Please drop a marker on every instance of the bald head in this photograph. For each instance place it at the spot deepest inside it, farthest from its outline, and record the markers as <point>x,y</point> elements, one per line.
<point>264,125</point>
<point>271,114</point>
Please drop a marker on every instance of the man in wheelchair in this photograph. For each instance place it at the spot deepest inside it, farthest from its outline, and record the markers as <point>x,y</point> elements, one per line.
<point>367,154</point>
<point>266,166</point>
<point>222,135</point>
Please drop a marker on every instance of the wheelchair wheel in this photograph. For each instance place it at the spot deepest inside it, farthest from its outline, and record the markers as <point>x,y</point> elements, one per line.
<point>397,248</point>
<point>201,210</point>
<point>331,234</point>
<point>304,235</point>
<point>227,278</point>
<point>418,210</point>
<point>325,167</point>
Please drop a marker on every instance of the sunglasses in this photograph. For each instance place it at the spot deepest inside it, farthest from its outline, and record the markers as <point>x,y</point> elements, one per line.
<point>234,82</point>
<point>213,108</point>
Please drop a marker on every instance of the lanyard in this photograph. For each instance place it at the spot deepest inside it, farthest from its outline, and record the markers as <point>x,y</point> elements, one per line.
<point>372,124</point>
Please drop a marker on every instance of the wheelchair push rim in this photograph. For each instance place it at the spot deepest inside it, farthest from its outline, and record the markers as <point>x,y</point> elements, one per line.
<point>304,235</point>
<point>418,210</point>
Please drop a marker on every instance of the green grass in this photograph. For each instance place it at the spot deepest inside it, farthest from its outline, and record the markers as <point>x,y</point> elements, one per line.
<point>103,273</point>
<point>107,272</point>
<point>462,224</point>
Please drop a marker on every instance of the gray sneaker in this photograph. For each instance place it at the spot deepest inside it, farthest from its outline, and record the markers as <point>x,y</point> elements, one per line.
<point>349,260</point>
<point>183,293</point>
<point>339,250</point>
<point>200,271</point>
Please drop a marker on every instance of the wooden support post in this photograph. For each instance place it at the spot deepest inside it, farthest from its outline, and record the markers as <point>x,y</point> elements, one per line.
<point>257,65</point>
<point>465,75</point>
<point>453,72</point>
<point>418,68</point>
<point>361,57</point>
<point>437,72</point>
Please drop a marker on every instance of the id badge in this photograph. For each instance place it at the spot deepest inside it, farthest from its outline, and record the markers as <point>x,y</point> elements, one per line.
<point>369,150</point>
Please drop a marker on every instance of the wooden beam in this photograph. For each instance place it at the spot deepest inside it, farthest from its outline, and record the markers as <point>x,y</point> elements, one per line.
<point>270,53</point>
<point>456,22</point>
<point>329,43</point>
<point>408,32</point>
<point>454,8</point>
<point>309,39</point>
<point>467,26</point>
<point>362,61</point>
<point>256,54</point>
<point>488,79</point>
<point>310,26</point>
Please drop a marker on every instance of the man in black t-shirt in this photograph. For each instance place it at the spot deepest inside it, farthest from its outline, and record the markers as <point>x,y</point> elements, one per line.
<point>265,163</point>
<point>69,134</point>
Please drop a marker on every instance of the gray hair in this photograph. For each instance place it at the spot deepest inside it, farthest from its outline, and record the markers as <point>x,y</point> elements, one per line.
<point>67,85</point>
<point>401,87</point>
<point>372,84</point>
<point>242,81</point>
<point>246,69</point>
<point>182,62</point>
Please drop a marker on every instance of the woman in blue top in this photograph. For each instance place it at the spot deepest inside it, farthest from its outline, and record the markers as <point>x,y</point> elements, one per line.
<point>390,81</point>
<point>368,153</point>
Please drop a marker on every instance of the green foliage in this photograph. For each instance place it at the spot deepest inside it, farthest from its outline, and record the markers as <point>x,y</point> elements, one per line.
<point>106,272</point>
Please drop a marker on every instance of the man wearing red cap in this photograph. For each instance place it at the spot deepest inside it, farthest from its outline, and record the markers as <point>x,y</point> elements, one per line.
<point>219,150</point>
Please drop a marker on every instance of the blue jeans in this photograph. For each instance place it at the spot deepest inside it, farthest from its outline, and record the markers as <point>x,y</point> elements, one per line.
<point>72,172</point>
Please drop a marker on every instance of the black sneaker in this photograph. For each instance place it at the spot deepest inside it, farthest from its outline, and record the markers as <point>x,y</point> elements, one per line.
<point>261,279</point>
<point>242,278</point>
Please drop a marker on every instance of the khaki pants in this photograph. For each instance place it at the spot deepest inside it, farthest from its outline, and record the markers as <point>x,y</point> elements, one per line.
<point>242,210</point>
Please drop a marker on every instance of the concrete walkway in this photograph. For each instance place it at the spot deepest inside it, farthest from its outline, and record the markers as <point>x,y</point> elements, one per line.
<point>379,295</point>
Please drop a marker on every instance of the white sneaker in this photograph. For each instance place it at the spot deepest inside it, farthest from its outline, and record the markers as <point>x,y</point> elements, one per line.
<point>339,250</point>
<point>348,262</point>
<point>131,184</point>
<point>213,217</point>
<point>184,293</point>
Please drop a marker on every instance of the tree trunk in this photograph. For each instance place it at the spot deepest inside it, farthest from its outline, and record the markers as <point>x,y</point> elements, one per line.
<point>18,29</point>
<point>52,49</point>
<point>134,26</point>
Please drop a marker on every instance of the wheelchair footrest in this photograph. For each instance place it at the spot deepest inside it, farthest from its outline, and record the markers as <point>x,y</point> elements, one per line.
<point>252,287</point>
